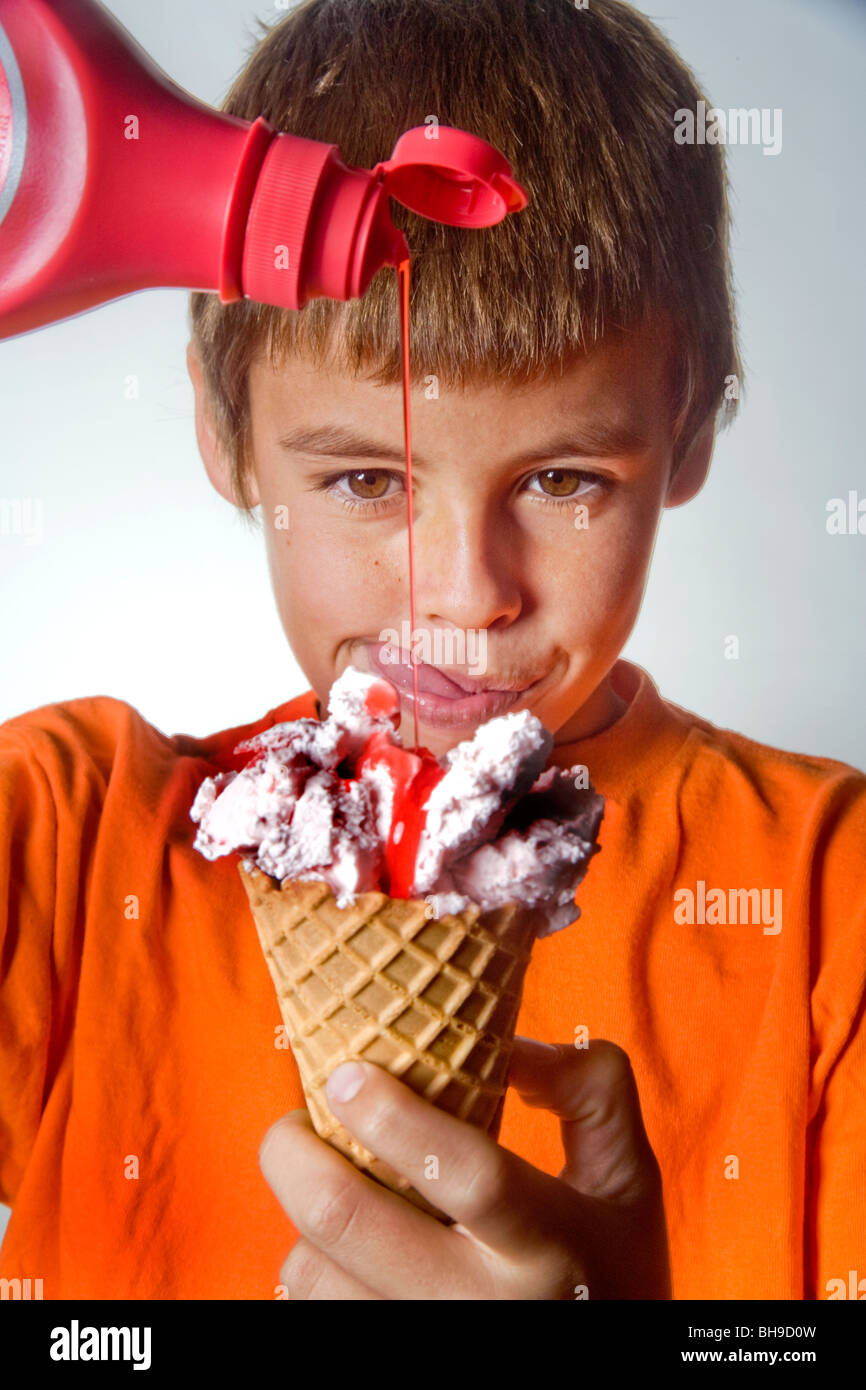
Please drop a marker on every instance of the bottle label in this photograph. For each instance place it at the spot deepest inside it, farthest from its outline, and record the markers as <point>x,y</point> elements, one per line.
<point>13,124</point>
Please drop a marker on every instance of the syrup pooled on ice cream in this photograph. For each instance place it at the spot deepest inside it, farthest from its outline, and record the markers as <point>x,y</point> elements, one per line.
<point>342,802</point>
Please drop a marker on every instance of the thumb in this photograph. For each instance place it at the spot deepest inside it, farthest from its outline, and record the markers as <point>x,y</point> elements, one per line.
<point>594,1093</point>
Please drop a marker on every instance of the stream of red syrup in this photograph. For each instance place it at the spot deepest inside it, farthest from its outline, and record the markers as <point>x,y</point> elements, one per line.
<point>403,288</point>
<point>413,772</point>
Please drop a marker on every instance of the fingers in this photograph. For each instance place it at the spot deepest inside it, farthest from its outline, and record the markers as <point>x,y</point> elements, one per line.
<point>503,1206</point>
<point>530,1061</point>
<point>594,1093</point>
<point>360,1226</point>
<point>309,1275</point>
<point>492,1194</point>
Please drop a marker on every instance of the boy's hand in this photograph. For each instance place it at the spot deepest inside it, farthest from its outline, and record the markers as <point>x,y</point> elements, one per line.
<point>522,1234</point>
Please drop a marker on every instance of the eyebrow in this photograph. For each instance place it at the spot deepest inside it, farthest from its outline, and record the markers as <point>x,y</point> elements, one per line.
<point>597,439</point>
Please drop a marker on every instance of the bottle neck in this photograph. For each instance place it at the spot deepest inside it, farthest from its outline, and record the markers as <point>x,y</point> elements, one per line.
<point>13,124</point>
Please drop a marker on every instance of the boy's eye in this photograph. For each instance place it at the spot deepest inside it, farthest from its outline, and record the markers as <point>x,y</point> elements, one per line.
<point>565,482</point>
<point>369,483</point>
<point>558,482</point>
<point>362,489</point>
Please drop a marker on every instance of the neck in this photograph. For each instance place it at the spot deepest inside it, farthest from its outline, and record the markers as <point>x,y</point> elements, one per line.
<point>603,708</point>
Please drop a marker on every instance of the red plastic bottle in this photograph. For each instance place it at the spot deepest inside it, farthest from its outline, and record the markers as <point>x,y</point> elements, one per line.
<point>113,179</point>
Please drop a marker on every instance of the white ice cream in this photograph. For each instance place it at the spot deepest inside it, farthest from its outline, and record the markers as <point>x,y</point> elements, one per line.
<point>486,774</point>
<point>499,829</point>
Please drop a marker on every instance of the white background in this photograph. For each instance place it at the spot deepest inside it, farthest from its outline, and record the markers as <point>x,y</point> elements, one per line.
<point>144,577</point>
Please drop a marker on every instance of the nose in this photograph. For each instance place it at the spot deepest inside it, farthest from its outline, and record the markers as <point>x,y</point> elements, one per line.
<point>466,565</point>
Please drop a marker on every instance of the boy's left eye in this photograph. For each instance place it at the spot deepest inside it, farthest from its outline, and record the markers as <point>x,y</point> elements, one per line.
<point>563,483</point>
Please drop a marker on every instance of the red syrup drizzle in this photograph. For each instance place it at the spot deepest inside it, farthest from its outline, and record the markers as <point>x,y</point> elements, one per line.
<point>403,280</point>
<point>413,774</point>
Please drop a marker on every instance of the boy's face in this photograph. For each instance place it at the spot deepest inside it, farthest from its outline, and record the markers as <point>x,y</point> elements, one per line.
<point>536,511</point>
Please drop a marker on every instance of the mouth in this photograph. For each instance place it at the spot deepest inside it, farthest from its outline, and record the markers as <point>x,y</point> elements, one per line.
<point>446,698</point>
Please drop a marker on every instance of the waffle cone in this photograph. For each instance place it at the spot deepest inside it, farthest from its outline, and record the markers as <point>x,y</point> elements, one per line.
<point>434,1002</point>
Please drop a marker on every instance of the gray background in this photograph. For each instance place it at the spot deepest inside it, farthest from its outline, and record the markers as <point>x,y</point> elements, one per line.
<point>144,576</point>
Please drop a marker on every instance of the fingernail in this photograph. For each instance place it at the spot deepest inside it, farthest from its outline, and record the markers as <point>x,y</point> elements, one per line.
<point>345,1082</point>
<point>541,1050</point>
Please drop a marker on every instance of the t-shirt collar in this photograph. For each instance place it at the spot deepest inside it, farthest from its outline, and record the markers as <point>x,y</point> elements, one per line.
<point>646,736</point>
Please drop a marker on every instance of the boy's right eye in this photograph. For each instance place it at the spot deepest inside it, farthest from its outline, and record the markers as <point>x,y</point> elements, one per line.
<point>363,489</point>
<point>368,483</point>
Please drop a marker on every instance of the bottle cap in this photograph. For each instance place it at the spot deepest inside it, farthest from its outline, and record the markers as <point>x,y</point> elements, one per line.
<point>451,176</point>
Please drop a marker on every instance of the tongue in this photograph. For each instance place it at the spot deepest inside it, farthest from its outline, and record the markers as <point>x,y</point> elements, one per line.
<point>414,776</point>
<point>430,681</point>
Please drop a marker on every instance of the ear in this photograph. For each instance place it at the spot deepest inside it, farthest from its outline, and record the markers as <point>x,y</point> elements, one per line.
<point>213,455</point>
<point>692,472</point>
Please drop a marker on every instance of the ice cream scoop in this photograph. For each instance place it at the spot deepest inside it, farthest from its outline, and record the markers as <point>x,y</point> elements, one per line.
<point>340,801</point>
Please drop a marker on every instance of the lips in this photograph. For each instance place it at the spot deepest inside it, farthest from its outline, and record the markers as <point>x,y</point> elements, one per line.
<point>450,700</point>
<point>396,666</point>
<point>431,681</point>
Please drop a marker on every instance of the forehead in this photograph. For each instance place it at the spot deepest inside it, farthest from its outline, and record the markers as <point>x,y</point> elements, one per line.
<point>623,380</point>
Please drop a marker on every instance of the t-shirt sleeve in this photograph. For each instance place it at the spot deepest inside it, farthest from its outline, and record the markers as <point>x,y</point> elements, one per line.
<point>47,810</point>
<point>28,841</point>
<point>836,1147</point>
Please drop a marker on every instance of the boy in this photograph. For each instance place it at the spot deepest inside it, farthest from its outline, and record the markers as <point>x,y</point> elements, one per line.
<point>713,1127</point>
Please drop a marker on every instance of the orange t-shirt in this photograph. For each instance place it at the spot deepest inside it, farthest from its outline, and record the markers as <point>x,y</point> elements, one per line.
<point>139,1065</point>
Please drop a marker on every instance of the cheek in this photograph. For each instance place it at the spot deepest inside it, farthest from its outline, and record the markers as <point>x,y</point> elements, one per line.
<point>324,585</point>
<point>596,575</point>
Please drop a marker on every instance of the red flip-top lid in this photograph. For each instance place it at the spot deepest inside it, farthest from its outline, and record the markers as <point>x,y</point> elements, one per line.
<point>451,176</point>
<point>330,221</point>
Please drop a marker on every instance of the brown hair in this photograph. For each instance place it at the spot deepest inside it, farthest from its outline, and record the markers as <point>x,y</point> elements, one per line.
<point>581,102</point>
